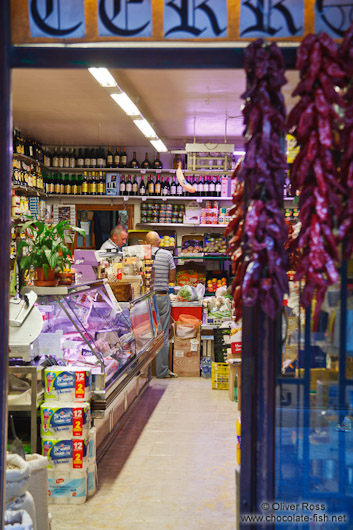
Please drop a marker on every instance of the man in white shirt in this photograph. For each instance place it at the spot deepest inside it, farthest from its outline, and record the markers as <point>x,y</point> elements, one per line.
<point>165,273</point>
<point>118,238</point>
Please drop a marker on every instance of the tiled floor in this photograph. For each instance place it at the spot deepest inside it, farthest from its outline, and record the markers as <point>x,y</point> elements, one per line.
<point>170,468</point>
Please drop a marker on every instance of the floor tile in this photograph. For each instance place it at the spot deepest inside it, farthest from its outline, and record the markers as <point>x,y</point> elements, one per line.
<point>170,468</point>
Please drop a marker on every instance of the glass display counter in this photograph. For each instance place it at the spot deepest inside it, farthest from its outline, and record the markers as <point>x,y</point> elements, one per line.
<point>85,325</point>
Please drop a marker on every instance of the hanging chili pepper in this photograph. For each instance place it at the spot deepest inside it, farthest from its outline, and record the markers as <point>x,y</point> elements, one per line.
<point>314,172</point>
<point>257,246</point>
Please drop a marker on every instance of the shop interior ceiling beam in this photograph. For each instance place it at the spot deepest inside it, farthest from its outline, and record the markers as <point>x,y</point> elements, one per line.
<point>147,57</point>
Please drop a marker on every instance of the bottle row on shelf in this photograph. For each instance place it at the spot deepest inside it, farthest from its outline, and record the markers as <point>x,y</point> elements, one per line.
<point>99,183</point>
<point>204,186</point>
<point>99,157</point>
<point>80,157</point>
<point>27,175</point>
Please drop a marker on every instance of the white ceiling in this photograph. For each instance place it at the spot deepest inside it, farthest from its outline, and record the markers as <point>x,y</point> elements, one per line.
<point>68,107</point>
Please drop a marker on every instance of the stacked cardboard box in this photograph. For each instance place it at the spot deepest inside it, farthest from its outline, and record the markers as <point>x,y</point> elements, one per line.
<point>186,357</point>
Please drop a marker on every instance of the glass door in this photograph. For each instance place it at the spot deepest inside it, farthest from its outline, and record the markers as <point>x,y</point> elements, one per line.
<point>314,410</point>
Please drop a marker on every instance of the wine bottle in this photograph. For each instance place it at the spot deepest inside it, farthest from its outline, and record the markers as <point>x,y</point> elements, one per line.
<point>134,163</point>
<point>117,157</point>
<point>211,186</point>
<point>55,158</point>
<point>150,186</point>
<point>110,158</point>
<point>101,160</point>
<point>146,164</point>
<point>67,184</point>
<point>94,183</point>
<point>206,189</point>
<point>80,159</point>
<point>196,186</point>
<point>87,162</point>
<point>129,186</point>
<point>135,186</point>
<point>142,189</point>
<point>218,187</point>
<point>93,156</point>
<point>85,183</point>
<point>123,159</point>
<point>201,186</point>
<point>122,185</point>
<point>79,185</point>
<point>173,187</point>
<point>179,189</point>
<point>166,188</point>
<point>72,158</point>
<point>157,187</point>
<point>66,158</point>
<point>62,184</point>
<point>74,184</point>
<point>61,157</point>
<point>157,164</point>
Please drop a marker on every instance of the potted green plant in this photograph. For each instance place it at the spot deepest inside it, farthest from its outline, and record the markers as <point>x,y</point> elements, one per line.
<point>47,251</point>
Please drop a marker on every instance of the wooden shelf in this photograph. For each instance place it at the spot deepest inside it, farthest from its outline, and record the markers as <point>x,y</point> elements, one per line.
<point>31,192</point>
<point>29,160</point>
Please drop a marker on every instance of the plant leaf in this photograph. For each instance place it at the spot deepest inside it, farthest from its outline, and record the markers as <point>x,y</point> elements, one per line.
<point>46,269</point>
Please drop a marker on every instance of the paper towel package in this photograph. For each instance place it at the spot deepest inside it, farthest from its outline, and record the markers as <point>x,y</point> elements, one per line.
<point>67,487</point>
<point>61,420</point>
<point>66,455</point>
<point>67,383</point>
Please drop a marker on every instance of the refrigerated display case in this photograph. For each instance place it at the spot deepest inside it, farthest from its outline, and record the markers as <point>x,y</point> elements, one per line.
<point>85,325</point>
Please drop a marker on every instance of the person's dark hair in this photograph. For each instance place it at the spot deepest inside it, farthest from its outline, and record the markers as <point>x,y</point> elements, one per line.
<point>118,229</point>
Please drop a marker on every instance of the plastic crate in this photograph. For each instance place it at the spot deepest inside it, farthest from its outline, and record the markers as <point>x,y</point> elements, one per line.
<point>220,375</point>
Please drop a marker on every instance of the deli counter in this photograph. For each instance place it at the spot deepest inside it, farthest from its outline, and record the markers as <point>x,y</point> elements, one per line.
<point>84,325</point>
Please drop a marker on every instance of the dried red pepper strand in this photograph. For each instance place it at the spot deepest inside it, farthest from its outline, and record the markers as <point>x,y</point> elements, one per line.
<point>332,68</point>
<point>321,205</point>
<point>350,175</point>
<point>252,217</point>
<point>320,176</point>
<point>297,111</point>
<point>306,122</point>
<point>330,239</point>
<point>325,134</point>
<point>315,60</point>
<point>331,270</point>
<point>329,90</point>
<point>321,104</point>
<point>313,146</point>
<point>304,51</point>
<point>328,44</point>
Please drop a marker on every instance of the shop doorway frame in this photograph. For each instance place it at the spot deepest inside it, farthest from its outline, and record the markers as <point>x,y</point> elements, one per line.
<point>258,433</point>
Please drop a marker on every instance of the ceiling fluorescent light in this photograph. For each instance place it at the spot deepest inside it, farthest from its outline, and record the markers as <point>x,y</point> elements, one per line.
<point>239,153</point>
<point>145,128</point>
<point>159,146</point>
<point>103,76</point>
<point>126,104</point>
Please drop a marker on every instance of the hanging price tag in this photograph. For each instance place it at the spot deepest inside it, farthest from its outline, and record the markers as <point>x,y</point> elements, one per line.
<point>80,385</point>
<point>77,419</point>
<point>77,454</point>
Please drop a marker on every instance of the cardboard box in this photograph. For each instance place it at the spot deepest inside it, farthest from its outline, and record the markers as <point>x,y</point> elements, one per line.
<point>192,213</point>
<point>186,356</point>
